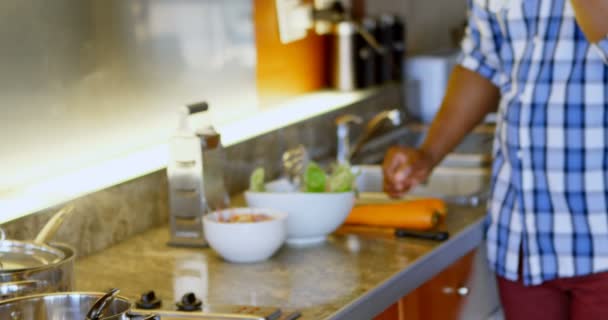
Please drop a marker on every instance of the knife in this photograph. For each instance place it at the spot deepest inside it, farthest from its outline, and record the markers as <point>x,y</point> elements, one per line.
<point>393,232</point>
<point>425,235</point>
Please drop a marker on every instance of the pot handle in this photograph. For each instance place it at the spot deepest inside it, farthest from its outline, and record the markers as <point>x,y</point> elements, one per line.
<point>139,316</point>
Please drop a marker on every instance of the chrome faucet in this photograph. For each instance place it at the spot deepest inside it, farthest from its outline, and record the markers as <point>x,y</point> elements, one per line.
<point>344,150</point>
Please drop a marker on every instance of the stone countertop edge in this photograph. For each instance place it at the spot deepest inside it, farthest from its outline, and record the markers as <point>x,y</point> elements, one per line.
<point>410,278</point>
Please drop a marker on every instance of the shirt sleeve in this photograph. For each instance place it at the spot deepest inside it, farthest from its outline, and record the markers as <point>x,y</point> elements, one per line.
<point>602,48</point>
<point>482,42</point>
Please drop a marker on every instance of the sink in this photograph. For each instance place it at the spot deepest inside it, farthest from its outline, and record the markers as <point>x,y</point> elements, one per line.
<point>473,152</point>
<point>449,183</point>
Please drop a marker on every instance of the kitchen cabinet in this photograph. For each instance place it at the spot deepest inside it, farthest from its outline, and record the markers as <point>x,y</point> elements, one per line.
<point>442,297</point>
<point>285,70</point>
<point>391,313</point>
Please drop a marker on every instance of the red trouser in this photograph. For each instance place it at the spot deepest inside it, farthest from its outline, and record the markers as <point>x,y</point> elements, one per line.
<point>577,298</point>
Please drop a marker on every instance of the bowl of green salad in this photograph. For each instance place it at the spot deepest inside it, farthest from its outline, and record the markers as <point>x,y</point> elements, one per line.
<point>314,209</point>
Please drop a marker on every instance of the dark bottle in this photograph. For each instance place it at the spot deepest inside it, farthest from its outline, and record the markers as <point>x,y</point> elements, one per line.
<point>367,56</point>
<point>398,48</point>
<point>384,36</point>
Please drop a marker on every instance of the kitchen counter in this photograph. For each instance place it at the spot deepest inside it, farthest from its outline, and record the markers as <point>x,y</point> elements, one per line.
<point>351,276</point>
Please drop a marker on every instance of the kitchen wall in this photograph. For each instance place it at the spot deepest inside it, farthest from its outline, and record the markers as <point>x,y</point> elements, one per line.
<point>85,80</point>
<point>429,23</point>
<point>89,82</point>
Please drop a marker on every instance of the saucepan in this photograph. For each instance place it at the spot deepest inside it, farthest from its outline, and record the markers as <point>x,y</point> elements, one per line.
<point>29,267</point>
<point>70,306</point>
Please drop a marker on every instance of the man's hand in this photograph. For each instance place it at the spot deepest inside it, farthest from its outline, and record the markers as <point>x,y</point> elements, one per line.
<point>469,98</point>
<point>592,17</point>
<point>405,168</point>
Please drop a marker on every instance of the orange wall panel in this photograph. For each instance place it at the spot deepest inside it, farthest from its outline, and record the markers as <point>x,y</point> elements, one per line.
<point>286,70</point>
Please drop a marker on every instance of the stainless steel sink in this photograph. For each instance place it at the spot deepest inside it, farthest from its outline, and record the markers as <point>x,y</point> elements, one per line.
<point>459,185</point>
<point>473,152</point>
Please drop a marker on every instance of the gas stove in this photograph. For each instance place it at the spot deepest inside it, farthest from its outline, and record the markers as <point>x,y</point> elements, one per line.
<point>190,307</point>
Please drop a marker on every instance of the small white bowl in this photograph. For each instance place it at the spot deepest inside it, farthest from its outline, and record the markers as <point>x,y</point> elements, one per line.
<point>246,242</point>
<point>311,216</point>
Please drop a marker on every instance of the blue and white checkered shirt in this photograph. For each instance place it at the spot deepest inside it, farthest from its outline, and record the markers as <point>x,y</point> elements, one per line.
<point>550,171</point>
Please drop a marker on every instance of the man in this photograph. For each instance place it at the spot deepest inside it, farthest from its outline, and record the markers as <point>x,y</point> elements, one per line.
<point>543,66</point>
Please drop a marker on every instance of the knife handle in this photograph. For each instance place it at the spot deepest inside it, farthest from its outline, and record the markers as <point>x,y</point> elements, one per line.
<point>426,235</point>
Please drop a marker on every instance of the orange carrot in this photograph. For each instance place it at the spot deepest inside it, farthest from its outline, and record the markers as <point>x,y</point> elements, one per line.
<point>436,204</point>
<point>420,214</point>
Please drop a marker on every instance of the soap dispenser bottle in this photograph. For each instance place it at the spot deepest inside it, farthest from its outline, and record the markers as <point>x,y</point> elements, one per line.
<point>187,202</point>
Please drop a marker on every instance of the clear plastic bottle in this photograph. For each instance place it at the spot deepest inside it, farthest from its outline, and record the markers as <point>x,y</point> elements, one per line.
<point>187,203</point>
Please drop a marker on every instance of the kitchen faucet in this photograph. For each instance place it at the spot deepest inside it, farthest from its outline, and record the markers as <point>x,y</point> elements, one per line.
<point>344,150</point>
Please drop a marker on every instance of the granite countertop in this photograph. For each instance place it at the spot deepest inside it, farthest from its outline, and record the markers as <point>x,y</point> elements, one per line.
<point>351,276</point>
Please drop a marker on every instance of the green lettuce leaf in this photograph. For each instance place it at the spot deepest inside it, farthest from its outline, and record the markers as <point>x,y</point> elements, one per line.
<point>314,178</point>
<point>342,179</point>
<point>256,181</point>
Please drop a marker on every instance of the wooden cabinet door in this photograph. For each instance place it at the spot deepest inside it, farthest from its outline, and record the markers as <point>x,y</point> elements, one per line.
<point>392,313</point>
<point>440,298</point>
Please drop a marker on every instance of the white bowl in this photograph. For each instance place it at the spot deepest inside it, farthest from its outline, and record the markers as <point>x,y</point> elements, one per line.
<point>310,216</point>
<point>248,241</point>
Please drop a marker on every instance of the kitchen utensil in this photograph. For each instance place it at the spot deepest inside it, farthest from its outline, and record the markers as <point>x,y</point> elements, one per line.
<point>54,277</point>
<point>99,307</point>
<point>51,227</point>
<point>387,232</point>
<point>18,255</point>
<point>295,161</point>
<point>25,287</point>
<point>69,305</point>
<point>311,216</point>
<point>425,235</point>
<point>245,241</point>
<point>28,267</point>
<point>23,255</point>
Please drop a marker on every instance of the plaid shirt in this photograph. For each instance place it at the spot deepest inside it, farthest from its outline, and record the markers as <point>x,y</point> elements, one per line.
<point>550,171</point>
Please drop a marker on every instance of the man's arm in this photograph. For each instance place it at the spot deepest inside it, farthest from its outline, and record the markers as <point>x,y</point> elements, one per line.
<point>473,92</point>
<point>468,100</point>
<point>592,17</point>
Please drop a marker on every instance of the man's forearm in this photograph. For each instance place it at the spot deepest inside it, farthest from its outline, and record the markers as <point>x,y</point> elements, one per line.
<point>592,17</point>
<point>469,98</point>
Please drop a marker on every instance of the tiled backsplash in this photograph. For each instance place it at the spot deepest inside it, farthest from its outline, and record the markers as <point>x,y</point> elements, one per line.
<point>109,216</point>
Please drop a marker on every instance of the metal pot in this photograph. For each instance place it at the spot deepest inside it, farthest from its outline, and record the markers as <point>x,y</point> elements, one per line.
<point>57,276</point>
<point>29,267</point>
<point>65,306</point>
